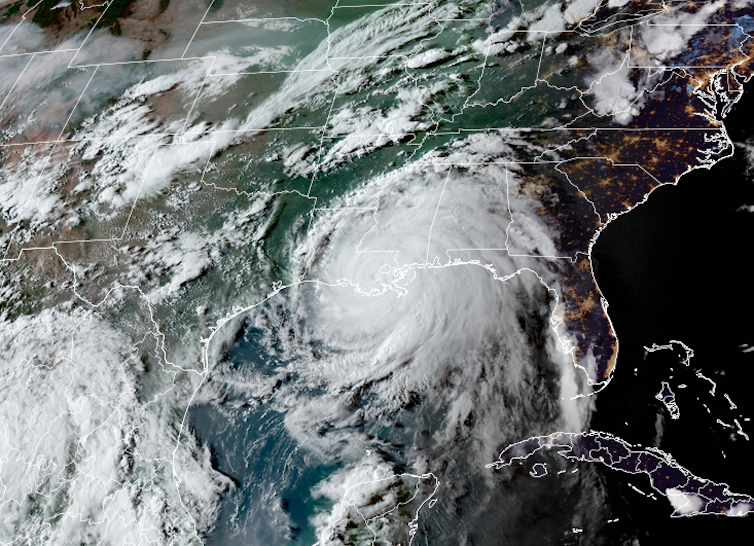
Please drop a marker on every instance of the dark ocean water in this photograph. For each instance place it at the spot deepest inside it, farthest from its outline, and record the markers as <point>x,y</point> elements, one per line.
<point>274,470</point>
<point>675,268</point>
<point>679,268</point>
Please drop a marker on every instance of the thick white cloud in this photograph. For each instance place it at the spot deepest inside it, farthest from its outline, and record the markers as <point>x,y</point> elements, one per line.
<point>399,320</point>
<point>670,32</point>
<point>611,92</point>
<point>684,502</point>
<point>73,438</point>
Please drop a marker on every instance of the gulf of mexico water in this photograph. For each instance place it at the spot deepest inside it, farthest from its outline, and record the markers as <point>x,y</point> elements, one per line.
<point>271,503</point>
<point>248,426</point>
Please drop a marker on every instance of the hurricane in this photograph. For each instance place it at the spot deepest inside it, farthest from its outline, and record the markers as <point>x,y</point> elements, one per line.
<point>392,363</point>
<point>326,273</point>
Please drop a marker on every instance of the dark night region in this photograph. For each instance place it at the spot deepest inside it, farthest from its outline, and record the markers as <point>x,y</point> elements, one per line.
<point>678,268</point>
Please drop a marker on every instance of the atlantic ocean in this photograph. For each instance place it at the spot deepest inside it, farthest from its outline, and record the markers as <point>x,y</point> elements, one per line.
<point>678,268</point>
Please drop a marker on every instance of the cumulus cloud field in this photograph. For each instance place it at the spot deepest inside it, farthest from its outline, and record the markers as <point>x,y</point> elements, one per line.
<point>419,278</point>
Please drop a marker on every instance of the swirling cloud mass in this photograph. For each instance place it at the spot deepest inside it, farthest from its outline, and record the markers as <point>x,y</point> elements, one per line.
<point>298,275</point>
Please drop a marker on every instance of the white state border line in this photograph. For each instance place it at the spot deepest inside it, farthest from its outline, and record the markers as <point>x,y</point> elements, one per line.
<point>437,208</point>
<point>678,67</point>
<point>573,129</point>
<point>158,146</point>
<point>312,19</point>
<point>254,130</point>
<point>257,130</point>
<point>199,130</point>
<point>318,167</point>
<point>375,208</point>
<point>212,3</point>
<point>95,26</point>
<point>96,68</point>
<point>262,19</point>
<point>317,128</point>
<point>226,74</point>
<point>181,427</point>
<point>502,100</point>
<point>390,55</point>
<point>250,195</point>
<point>386,5</point>
<point>18,25</point>
<point>149,162</point>
<point>571,259</point>
<point>211,60</point>
<point>21,54</point>
<point>198,94</point>
<point>303,19</point>
<point>700,25</point>
<point>506,249</point>
<point>370,135</point>
<point>49,155</point>
<point>480,19</point>
<point>149,166</point>
<point>15,83</point>
<point>91,31</point>
<point>682,67</point>
<point>306,19</point>
<point>144,61</point>
<point>89,139</point>
<point>45,52</point>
